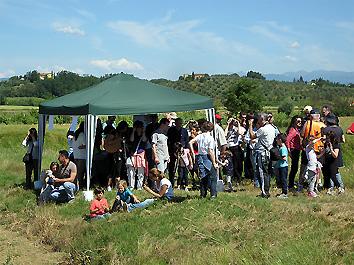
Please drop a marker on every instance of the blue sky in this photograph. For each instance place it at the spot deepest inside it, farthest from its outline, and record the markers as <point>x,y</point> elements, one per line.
<point>160,38</point>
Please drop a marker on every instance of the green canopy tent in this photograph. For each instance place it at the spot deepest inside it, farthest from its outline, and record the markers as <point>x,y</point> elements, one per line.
<point>122,94</point>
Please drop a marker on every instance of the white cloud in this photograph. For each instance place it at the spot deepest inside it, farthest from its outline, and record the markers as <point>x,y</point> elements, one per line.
<point>86,14</point>
<point>295,45</point>
<point>7,73</point>
<point>119,64</point>
<point>164,34</point>
<point>290,58</point>
<point>68,29</point>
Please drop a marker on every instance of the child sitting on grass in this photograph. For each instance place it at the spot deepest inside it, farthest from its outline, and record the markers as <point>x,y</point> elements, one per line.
<point>282,165</point>
<point>126,200</point>
<point>99,208</point>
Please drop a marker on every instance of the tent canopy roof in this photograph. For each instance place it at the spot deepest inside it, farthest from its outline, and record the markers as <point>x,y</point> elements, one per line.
<point>125,94</point>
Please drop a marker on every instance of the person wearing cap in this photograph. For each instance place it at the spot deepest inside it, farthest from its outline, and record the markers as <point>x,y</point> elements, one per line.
<point>312,129</point>
<point>265,135</point>
<point>333,128</point>
<point>307,110</point>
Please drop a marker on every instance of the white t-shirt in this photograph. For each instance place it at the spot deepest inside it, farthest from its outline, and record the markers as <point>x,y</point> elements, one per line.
<point>79,153</point>
<point>312,159</point>
<point>265,136</point>
<point>220,136</point>
<point>205,142</point>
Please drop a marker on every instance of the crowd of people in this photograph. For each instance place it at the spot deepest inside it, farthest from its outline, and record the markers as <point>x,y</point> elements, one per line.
<point>168,153</point>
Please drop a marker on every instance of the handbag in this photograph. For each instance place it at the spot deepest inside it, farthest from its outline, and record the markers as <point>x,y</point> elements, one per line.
<point>27,158</point>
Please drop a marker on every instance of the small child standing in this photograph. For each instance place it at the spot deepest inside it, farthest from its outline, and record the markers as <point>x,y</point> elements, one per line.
<point>99,208</point>
<point>126,200</point>
<point>226,163</point>
<point>312,169</point>
<point>184,162</point>
<point>282,165</point>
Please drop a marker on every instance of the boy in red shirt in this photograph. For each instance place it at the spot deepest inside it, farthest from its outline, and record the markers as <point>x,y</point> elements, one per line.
<point>99,208</point>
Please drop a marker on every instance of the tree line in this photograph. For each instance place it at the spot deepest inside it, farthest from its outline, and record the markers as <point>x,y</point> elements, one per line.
<point>249,93</point>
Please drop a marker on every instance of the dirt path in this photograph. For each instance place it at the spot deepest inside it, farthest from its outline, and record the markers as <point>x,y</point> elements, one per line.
<point>17,249</point>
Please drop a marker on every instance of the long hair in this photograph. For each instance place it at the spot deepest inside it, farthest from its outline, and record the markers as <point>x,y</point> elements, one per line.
<point>34,131</point>
<point>292,123</point>
<point>79,130</point>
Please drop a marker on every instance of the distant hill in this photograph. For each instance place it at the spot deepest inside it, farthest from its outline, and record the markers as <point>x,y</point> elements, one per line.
<point>3,79</point>
<point>334,76</point>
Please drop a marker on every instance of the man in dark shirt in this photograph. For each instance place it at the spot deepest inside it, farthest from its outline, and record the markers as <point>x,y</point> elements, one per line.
<point>175,134</point>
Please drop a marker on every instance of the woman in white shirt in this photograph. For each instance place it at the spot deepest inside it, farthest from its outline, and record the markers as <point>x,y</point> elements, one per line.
<point>31,157</point>
<point>79,150</point>
<point>206,160</point>
<point>163,185</point>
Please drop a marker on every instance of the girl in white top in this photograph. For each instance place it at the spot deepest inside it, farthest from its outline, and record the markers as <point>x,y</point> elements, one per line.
<point>163,185</point>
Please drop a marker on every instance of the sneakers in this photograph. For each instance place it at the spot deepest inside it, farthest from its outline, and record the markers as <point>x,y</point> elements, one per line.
<point>109,188</point>
<point>340,190</point>
<point>282,196</point>
<point>312,194</point>
<point>330,191</point>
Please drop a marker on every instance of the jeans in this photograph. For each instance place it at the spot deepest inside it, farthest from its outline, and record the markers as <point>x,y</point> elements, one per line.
<point>295,157</point>
<point>63,193</point>
<point>135,175</point>
<point>182,176</point>
<point>117,205</point>
<point>208,176</point>
<point>143,204</point>
<point>101,216</point>
<point>81,171</point>
<point>207,182</point>
<point>255,177</point>
<point>262,170</point>
<point>237,161</point>
<point>283,176</point>
<point>339,180</point>
<point>31,166</point>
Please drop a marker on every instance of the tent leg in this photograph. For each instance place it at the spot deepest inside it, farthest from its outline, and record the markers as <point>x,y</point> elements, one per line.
<point>41,132</point>
<point>90,128</point>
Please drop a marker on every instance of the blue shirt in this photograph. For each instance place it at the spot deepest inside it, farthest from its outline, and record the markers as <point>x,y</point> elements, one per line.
<point>125,195</point>
<point>283,151</point>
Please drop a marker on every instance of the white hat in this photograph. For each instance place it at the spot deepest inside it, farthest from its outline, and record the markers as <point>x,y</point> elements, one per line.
<point>307,108</point>
<point>173,115</point>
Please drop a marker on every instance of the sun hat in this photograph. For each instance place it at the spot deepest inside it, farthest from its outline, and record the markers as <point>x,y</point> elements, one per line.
<point>307,108</point>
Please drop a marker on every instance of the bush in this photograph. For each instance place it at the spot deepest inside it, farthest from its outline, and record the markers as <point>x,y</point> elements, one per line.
<point>286,107</point>
<point>23,101</point>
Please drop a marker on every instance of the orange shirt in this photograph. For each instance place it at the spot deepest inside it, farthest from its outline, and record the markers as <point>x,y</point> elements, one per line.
<point>98,204</point>
<point>316,132</point>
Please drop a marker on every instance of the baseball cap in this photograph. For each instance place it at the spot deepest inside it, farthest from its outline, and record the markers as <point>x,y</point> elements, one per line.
<point>218,117</point>
<point>308,108</point>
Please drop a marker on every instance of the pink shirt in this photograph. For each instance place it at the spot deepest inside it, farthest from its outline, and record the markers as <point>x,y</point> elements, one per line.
<point>293,140</point>
<point>98,204</point>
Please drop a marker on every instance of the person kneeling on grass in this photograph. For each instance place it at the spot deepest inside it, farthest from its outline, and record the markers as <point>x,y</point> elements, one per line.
<point>164,186</point>
<point>64,180</point>
<point>126,200</point>
<point>99,208</point>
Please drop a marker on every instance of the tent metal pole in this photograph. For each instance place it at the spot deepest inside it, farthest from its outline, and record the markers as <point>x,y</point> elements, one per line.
<point>90,129</point>
<point>41,132</point>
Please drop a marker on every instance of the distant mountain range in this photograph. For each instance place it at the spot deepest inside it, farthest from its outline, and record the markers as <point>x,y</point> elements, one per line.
<point>334,76</point>
<point>3,78</point>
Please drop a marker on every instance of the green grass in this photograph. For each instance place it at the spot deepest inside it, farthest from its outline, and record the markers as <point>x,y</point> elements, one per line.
<point>236,228</point>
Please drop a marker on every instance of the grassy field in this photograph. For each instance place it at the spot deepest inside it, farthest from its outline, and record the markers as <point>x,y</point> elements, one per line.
<point>237,228</point>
